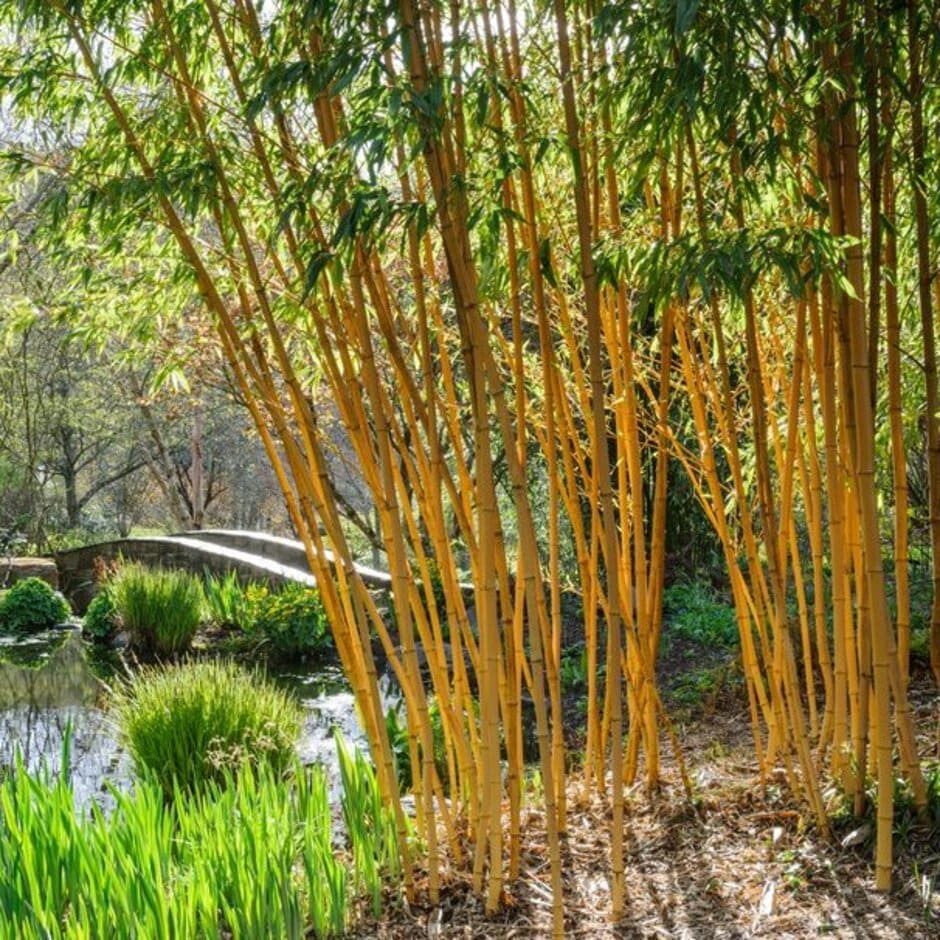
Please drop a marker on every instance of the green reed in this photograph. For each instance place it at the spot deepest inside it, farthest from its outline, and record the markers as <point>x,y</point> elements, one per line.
<point>249,856</point>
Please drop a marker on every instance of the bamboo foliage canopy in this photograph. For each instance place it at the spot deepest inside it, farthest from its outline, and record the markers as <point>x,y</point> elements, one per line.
<point>543,256</point>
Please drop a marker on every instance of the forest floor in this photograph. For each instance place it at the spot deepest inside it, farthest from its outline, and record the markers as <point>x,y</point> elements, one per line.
<point>740,860</point>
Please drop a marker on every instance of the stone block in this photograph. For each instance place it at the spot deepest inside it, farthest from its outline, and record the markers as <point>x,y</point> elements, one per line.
<point>22,568</point>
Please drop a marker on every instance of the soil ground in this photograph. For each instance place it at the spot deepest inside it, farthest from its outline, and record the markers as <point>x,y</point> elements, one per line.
<point>740,860</point>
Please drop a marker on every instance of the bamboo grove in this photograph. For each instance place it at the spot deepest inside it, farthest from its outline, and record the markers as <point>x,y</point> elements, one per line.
<point>542,256</point>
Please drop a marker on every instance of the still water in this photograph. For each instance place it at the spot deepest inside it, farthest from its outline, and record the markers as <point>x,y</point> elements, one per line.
<point>54,681</point>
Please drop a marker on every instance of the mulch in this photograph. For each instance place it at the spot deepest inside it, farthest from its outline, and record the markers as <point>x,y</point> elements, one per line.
<point>739,861</point>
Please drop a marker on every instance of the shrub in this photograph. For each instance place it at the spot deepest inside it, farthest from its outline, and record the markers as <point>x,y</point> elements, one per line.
<point>160,609</point>
<point>920,643</point>
<point>700,688</point>
<point>574,670</point>
<point>101,616</point>
<point>198,722</point>
<point>32,605</point>
<point>292,619</point>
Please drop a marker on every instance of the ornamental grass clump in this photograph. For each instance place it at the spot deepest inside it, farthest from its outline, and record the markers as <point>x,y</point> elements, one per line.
<point>160,609</point>
<point>200,722</point>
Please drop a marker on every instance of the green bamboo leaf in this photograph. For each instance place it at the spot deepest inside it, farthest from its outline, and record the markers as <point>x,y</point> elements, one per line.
<point>315,268</point>
<point>685,14</point>
<point>545,262</point>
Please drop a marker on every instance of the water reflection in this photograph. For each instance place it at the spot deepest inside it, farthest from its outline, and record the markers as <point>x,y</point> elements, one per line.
<point>48,686</point>
<point>328,703</point>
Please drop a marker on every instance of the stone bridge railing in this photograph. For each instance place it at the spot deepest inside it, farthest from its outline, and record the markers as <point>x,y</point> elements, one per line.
<point>253,556</point>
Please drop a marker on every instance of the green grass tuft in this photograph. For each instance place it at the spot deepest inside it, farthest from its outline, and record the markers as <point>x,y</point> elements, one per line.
<point>193,724</point>
<point>227,601</point>
<point>370,826</point>
<point>160,609</point>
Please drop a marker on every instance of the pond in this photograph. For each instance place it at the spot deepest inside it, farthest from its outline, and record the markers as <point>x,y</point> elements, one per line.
<point>54,684</point>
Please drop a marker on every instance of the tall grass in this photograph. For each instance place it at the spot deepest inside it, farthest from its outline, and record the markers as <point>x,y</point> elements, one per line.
<point>370,825</point>
<point>194,723</point>
<point>225,862</point>
<point>228,603</point>
<point>246,857</point>
<point>160,609</point>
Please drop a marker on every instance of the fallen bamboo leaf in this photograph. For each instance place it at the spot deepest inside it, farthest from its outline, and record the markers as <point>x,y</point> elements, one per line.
<point>766,906</point>
<point>857,836</point>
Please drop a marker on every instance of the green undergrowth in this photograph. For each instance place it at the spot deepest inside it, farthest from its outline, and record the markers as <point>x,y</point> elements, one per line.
<point>227,600</point>
<point>698,648</point>
<point>286,622</point>
<point>695,613</point>
<point>920,644</point>
<point>698,689</point>
<point>290,621</point>
<point>396,727</point>
<point>909,826</point>
<point>248,856</point>
<point>573,670</point>
<point>162,610</point>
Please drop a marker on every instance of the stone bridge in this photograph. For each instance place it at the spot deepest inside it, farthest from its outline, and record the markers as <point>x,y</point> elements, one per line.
<point>253,556</point>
